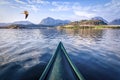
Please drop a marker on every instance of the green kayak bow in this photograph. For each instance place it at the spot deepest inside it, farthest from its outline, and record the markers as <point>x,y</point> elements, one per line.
<point>60,67</point>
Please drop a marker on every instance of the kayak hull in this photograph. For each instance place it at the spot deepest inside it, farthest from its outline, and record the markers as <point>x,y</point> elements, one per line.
<point>60,67</point>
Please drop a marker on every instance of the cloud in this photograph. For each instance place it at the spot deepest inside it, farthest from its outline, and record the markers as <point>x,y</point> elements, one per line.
<point>114,3</point>
<point>109,10</point>
<point>3,2</point>
<point>33,8</point>
<point>24,5</point>
<point>33,5</point>
<point>74,8</point>
<point>67,9</point>
<point>28,5</point>
<point>84,14</point>
<point>20,2</point>
<point>60,6</point>
<point>42,2</point>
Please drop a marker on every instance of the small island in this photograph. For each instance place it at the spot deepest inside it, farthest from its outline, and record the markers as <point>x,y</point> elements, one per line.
<point>99,24</point>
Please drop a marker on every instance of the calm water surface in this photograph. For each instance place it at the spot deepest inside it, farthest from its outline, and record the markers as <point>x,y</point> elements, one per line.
<point>24,53</point>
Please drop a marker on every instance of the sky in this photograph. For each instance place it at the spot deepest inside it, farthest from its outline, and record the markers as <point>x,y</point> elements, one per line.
<point>10,10</point>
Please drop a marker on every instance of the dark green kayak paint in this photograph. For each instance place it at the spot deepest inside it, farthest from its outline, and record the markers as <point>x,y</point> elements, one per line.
<point>60,67</point>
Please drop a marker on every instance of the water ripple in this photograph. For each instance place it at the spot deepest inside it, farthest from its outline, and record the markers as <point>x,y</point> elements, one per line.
<point>25,53</point>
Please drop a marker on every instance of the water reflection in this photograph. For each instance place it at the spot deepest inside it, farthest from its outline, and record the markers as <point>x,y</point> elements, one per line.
<point>26,52</point>
<point>95,34</point>
<point>15,35</point>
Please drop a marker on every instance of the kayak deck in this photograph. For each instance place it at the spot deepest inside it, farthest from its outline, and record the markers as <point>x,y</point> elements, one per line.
<point>60,67</point>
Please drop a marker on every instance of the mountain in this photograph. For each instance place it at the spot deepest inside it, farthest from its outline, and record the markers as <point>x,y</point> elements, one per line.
<point>4,24</point>
<point>22,23</point>
<point>18,24</point>
<point>115,22</point>
<point>53,22</point>
<point>99,18</point>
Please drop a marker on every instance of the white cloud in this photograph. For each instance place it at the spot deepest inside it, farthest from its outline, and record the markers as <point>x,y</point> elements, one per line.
<point>20,2</point>
<point>60,6</point>
<point>84,14</point>
<point>108,10</point>
<point>113,3</point>
<point>30,8</point>
<point>43,2</point>
<point>34,8</point>
<point>33,5</point>
<point>3,2</point>
<point>75,8</point>
<point>29,1</point>
<point>25,6</point>
<point>13,6</point>
<point>70,10</point>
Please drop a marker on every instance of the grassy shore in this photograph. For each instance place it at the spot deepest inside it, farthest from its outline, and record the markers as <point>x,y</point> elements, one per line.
<point>90,26</point>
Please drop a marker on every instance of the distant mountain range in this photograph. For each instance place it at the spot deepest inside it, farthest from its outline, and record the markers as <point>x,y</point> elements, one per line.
<point>17,23</point>
<point>47,22</point>
<point>54,22</point>
<point>5,24</point>
<point>51,22</point>
<point>99,18</point>
<point>23,22</point>
<point>115,22</point>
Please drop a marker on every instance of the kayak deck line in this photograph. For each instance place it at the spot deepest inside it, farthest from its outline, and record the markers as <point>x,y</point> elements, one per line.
<point>60,67</point>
